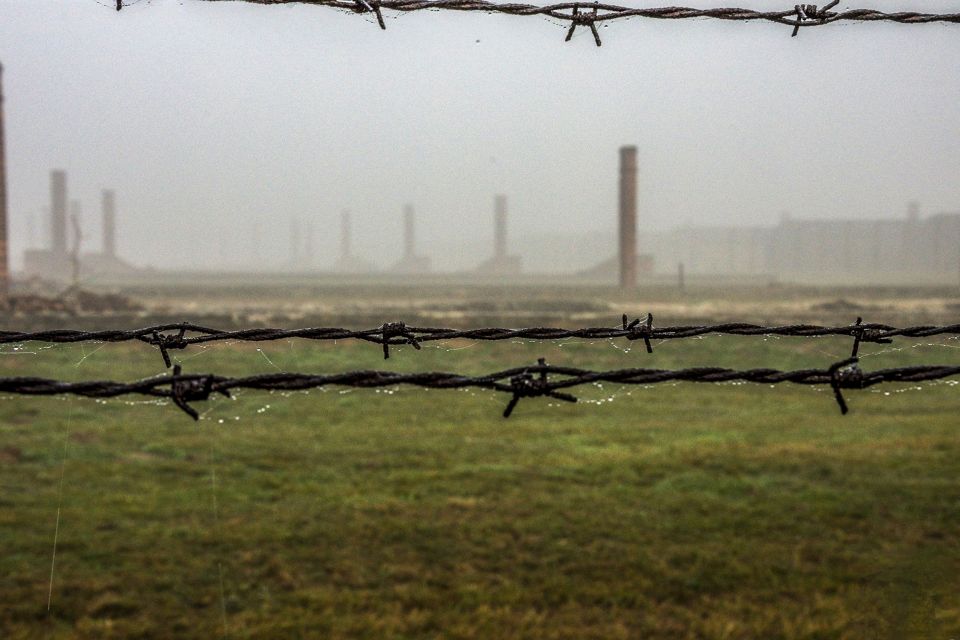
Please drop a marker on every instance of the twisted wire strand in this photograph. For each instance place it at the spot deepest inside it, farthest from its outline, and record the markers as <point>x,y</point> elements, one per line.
<point>521,382</point>
<point>398,333</point>
<point>605,12</point>
<point>574,376</point>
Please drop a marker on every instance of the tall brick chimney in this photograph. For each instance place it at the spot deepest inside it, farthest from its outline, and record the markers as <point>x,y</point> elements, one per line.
<point>345,251</point>
<point>58,212</point>
<point>500,227</point>
<point>408,237</point>
<point>296,238</point>
<point>628,217</point>
<point>4,266</point>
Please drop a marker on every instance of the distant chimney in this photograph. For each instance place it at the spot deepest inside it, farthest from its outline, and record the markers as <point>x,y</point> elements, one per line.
<point>913,211</point>
<point>408,239</point>
<point>345,252</point>
<point>628,217</point>
<point>109,223</point>
<point>4,266</point>
<point>500,227</point>
<point>76,217</point>
<point>58,212</point>
<point>308,245</point>
<point>295,237</point>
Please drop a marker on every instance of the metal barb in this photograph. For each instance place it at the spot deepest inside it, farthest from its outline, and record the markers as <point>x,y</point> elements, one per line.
<point>165,342</point>
<point>396,330</point>
<point>810,12</point>
<point>362,6</point>
<point>525,385</point>
<point>586,20</point>
<point>865,335</point>
<point>845,374</point>
<point>183,392</point>
<point>638,331</point>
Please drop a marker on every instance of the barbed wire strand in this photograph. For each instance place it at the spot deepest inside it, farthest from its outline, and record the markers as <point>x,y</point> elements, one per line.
<point>167,337</point>
<point>521,382</point>
<point>589,14</point>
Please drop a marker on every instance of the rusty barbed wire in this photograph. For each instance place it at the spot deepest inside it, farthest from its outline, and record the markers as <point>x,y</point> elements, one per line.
<point>167,337</point>
<point>520,382</point>
<point>589,14</point>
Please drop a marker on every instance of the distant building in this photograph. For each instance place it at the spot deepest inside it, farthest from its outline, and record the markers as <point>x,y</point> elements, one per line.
<point>875,251</point>
<point>57,262</point>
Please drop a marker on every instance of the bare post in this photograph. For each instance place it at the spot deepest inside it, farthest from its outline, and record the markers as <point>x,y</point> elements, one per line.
<point>628,218</point>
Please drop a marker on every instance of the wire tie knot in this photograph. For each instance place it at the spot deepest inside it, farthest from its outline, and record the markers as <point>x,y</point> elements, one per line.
<point>811,12</point>
<point>845,374</point>
<point>639,331</point>
<point>183,392</point>
<point>526,385</point>
<point>165,342</point>
<point>583,19</point>
<point>865,334</point>
<point>373,6</point>
<point>396,330</point>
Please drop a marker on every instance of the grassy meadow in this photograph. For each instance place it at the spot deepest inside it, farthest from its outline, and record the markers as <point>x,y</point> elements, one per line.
<point>675,511</point>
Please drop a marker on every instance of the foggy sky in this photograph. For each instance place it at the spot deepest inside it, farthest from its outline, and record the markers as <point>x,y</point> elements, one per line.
<point>216,121</point>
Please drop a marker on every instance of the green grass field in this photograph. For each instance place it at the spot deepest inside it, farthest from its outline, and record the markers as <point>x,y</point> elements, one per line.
<point>681,511</point>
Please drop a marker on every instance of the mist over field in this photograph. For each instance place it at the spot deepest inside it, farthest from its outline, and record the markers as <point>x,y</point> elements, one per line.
<point>228,128</point>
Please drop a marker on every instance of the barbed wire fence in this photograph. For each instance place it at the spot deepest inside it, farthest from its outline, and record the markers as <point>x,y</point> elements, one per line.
<point>399,333</point>
<point>540,380</point>
<point>520,382</point>
<point>590,14</point>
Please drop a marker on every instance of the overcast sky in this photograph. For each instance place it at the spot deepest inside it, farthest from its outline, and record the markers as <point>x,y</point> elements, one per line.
<point>213,120</point>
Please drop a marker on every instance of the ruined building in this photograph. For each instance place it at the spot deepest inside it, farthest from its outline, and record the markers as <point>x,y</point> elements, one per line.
<point>57,262</point>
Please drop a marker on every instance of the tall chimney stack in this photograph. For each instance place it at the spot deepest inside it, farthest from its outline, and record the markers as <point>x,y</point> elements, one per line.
<point>58,212</point>
<point>408,239</point>
<point>4,267</point>
<point>109,223</point>
<point>76,217</point>
<point>308,245</point>
<point>500,227</point>
<point>345,236</point>
<point>295,240</point>
<point>628,217</point>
